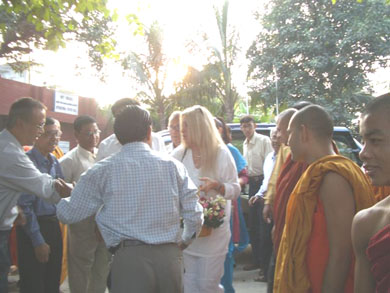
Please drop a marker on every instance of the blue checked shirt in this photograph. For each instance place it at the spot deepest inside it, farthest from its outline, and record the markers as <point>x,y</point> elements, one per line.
<point>136,194</point>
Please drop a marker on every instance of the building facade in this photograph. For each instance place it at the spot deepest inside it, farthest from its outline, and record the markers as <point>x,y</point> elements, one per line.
<point>61,106</point>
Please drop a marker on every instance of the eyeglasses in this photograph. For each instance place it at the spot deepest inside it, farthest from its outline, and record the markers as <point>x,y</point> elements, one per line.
<point>53,134</point>
<point>40,126</point>
<point>91,133</point>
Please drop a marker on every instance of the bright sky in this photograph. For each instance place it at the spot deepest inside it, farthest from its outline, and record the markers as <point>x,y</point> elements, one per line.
<point>181,20</point>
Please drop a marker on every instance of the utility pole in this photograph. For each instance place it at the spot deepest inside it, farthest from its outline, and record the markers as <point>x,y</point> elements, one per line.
<point>276,91</point>
<point>247,105</point>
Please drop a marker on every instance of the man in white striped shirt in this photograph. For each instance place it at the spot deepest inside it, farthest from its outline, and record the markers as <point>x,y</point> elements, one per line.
<point>139,196</point>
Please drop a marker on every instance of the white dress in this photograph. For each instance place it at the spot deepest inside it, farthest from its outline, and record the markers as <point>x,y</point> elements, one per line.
<point>204,258</point>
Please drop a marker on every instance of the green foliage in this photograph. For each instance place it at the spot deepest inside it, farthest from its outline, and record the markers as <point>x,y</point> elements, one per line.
<point>48,24</point>
<point>149,69</point>
<point>133,20</point>
<point>319,52</point>
<point>197,88</point>
<point>222,62</point>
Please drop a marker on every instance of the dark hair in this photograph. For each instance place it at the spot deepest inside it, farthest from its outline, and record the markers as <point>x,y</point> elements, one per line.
<point>247,119</point>
<point>378,103</point>
<point>132,124</point>
<point>220,123</point>
<point>23,109</point>
<point>118,105</point>
<point>80,121</point>
<point>50,121</point>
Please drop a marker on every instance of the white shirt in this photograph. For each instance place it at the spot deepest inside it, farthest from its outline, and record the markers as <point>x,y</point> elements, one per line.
<point>255,151</point>
<point>217,243</point>
<point>269,164</point>
<point>137,194</point>
<point>169,148</point>
<point>111,145</point>
<point>19,175</point>
<point>76,162</point>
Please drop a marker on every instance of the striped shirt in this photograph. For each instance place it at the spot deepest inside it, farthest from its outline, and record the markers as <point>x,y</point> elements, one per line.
<point>137,194</point>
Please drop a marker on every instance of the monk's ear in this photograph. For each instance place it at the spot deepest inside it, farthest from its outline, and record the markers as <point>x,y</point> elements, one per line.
<point>304,133</point>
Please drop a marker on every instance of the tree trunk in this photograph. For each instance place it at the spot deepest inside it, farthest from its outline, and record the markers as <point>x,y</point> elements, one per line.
<point>161,116</point>
<point>229,110</point>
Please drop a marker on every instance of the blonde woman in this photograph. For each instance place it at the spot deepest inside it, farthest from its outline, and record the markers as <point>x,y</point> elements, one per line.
<point>212,168</point>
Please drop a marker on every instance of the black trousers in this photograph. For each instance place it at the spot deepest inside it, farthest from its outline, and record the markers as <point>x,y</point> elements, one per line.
<point>259,230</point>
<point>36,277</point>
<point>271,273</point>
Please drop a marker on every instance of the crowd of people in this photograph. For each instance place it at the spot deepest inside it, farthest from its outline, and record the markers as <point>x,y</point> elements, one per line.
<point>129,213</point>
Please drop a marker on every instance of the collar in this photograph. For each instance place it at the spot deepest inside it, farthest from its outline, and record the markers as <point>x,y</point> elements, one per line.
<point>136,146</point>
<point>252,140</point>
<point>41,159</point>
<point>85,153</point>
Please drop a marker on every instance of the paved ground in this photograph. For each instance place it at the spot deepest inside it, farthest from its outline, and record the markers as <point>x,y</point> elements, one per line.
<point>243,280</point>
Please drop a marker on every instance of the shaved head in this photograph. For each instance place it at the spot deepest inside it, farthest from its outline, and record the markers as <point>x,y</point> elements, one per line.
<point>381,103</point>
<point>286,115</point>
<point>316,119</point>
<point>282,124</point>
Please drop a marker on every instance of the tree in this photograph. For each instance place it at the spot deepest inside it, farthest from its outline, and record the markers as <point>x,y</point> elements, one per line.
<point>150,70</point>
<point>197,88</point>
<point>49,24</point>
<point>319,52</point>
<point>222,62</point>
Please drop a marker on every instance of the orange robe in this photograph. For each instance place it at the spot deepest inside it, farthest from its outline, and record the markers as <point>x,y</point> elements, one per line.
<point>378,253</point>
<point>289,175</point>
<point>291,274</point>
<point>283,153</point>
<point>318,252</point>
<point>381,192</point>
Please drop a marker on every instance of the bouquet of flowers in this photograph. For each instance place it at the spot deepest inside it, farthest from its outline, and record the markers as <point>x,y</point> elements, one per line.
<point>213,212</point>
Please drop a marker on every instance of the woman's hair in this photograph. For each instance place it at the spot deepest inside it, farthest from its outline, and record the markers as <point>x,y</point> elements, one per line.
<point>203,134</point>
<point>226,134</point>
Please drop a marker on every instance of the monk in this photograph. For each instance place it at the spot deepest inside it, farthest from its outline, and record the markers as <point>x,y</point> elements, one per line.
<point>371,227</point>
<point>282,122</point>
<point>315,252</point>
<point>284,177</point>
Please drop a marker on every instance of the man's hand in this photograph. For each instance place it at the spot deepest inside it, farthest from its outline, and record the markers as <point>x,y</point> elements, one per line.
<point>183,245</point>
<point>267,213</point>
<point>21,218</point>
<point>99,236</point>
<point>273,234</point>
<point>64,189</point>
<point>42,252</point>
<point>254,199</point>
<point>209,184</point>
